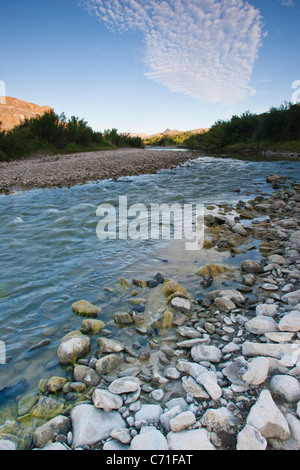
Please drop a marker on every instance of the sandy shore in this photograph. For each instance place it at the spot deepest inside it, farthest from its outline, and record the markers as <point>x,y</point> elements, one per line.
<point>68,170</point>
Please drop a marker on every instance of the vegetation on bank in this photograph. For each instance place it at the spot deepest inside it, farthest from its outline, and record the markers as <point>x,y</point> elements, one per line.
<point>52,134</point>
<point>279,129</point>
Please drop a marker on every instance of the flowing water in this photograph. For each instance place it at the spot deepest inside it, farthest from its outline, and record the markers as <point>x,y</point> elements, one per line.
<point>51,255</point>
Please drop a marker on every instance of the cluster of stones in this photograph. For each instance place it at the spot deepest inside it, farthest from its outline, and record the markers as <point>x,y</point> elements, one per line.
<point>222,372</point>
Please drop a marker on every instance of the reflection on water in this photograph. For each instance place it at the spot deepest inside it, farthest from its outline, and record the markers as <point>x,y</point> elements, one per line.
<point>51,256</point>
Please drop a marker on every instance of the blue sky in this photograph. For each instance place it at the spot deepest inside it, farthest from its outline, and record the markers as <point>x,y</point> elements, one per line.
<point>148,65</point>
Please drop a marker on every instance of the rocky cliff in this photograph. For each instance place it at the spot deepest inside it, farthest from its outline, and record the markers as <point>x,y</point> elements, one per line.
<point>14,111</point>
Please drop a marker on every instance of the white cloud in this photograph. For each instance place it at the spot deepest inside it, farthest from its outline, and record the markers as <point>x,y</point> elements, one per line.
<point>202,48</point>
<point>287,3</point>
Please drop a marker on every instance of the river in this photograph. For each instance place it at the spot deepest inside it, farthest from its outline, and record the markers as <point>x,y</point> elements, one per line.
<point>51,255</point>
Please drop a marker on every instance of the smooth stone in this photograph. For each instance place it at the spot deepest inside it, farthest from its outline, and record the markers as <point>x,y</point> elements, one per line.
<point>266,417</point>
<point>181,304</point>
<point>149,439</point>
<point>107,345</point>
<point>277,259</point>
<point>224,304</point>
<point>209,381</point>
<point>250,266</point>
<point>54,446</point>
<point>190,368</point>
<point>292,298</point>
<point>106,400</point>
<point>293,442</point>
<point>233,295</point>
<point>250,439</point>
<point>6,444</point>
<point>73,346</point>
<point>206,353</point>
<point>268,349</point>
<point>108,363</point>
<point>286,386</point>
<point>193,388</point>
<point>125,385</point>
<point>280,337</point>
<point>182,421</point>
<point>44,435</point>
<point>148,414</point>
<point>166,417</point>
<point>86,309</point>
<point>91,425</point>
<point>172,373</point>
<point>196,439</point>
<point>121,435</point>
<point>261,324</point>
<point>270,287</point>
<point>290,322</point>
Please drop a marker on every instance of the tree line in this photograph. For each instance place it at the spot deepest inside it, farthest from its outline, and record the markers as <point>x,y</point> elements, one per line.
<point>280,125</point>
<point>51,133</point>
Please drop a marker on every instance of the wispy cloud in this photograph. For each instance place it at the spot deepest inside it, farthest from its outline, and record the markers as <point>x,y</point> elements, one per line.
<point>202,48</point>
<point>287,3</point>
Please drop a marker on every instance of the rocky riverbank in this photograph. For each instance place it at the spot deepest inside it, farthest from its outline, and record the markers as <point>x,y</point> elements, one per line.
<point>218,370</point>
<point>68,170</point>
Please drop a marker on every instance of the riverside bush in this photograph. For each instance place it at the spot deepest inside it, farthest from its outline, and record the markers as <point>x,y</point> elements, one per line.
<point>52,133</point>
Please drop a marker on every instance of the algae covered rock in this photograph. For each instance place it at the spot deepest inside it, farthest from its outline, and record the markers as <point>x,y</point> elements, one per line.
<point>73,346</point>
<point>47,408</point>
<point>211,270</point>
<point>86,309</point>
<point>170,287</point>
<point>91,326</point>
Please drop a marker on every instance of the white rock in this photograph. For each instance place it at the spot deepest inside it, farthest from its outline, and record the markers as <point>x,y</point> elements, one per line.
<point>266,309</point>
<point>166,417</point>
<point>231,347</point>
<point>113,445</point>
<point>73,346</point>
<point>233,295</point>
<point>91,424</point>
<point>251,439</point>
<point>196,439</point>
<point>193,389</point>
<point>6,444</point>
<point>290,322</point>
<point>209,381</point>
<point>122,435</point>
<point>172,373</point>
<point>106,400</point>
<point>292,298</point>
<point>206,353</point>
<point>224,304</point>
<point>298,409</point>
<point>266,417</point>
<point>277,259</point>
<point>44,434</point>
<point>261,324</point>
<point>280,337</point>
<point>190,368</point>
<point>148,414</point>
<point>267,349</point>
<point>259,369</point>
<point>54,446</point>
<point>286,386</point>
<point>181,304</point>
<point>125,385</point>
<point>182,421</point>
<point>269,287</point>
<point>293,442</point>
<point>149,439</point>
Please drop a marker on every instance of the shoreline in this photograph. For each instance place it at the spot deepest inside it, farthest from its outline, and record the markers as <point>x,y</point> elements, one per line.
<point>219,372</point>
<point>69,170</point>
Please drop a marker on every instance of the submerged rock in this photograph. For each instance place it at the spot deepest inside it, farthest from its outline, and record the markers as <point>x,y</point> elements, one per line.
<point>86,309</point>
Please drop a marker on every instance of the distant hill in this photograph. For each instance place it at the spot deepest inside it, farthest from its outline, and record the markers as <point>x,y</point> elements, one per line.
<point>169,133</point>
<point>14,111</point>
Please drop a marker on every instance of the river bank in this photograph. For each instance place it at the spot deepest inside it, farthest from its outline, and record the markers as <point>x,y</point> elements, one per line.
<point>69,170</point>
<point>217,370</point>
